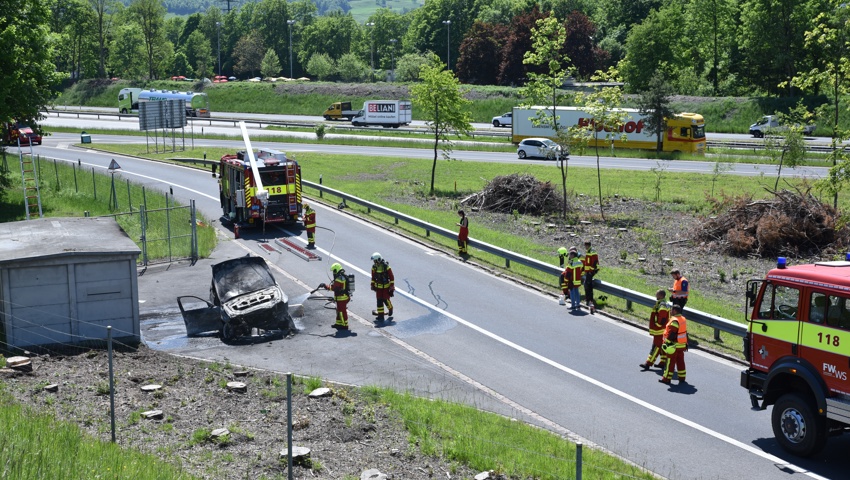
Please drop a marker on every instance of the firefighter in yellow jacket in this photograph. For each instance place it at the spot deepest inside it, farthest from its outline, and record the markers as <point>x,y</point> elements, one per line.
<point>310,225</point>
<point>658,318</point>
<point>674,346</point>
<point>341,291</point>
<point>383,284</point>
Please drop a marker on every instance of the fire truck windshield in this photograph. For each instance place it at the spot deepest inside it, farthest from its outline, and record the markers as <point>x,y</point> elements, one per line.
<point>273,177</point>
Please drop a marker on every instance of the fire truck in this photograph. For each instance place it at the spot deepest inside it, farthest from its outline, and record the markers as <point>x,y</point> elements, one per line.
<point>279,176</point>
<point>13,132</point>
<point>798,349</point>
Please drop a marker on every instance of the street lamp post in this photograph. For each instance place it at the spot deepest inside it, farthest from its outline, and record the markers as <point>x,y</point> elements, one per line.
<point>392,52</point>
<point>372,47</point>
<point>290,23</point>
<point>218,29</point>
<point>448,24</point>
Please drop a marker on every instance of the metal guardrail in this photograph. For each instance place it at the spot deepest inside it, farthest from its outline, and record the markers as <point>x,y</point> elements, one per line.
<point>713,321</point>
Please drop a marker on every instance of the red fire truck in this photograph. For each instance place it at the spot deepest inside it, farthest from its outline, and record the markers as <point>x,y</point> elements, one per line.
<point>279,176</point>
<point>798,348</point>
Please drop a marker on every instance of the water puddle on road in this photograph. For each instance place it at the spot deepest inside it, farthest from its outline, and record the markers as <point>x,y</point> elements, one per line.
<point>433,323</point>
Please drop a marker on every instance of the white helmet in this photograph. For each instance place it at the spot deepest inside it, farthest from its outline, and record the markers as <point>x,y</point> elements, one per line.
<point>376,257</point>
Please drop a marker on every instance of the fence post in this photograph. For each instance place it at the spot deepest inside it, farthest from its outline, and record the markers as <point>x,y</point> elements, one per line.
<point>56,172</point>
<point>129,198</point>
<point>111,381</point>
<point>93,183</point>
<point>76,186</point>
<point>143,239</point>
<point>195,254</point>
<point>578,461</point>
<point>289,425</point>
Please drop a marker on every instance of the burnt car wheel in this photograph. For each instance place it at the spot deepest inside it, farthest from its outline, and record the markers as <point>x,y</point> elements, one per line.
<point>228,333</point>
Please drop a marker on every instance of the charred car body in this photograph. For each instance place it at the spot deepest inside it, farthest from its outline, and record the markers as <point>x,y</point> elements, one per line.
<point>243,296</point>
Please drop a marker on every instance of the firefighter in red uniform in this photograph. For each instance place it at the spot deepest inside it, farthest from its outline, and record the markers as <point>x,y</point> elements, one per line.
<point>591,267</point>
<point>674,346</point>
<point>462,234</point>
<point>341,296</point>
<point>574,269</point>
<point>310,225</point>
<point>657,324</point>
<point>383,284</point>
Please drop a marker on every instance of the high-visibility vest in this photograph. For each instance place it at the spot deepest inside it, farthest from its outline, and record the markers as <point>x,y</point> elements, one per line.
<point>677,288</point>
<point>575,270</point>
<point>591,260</point>
<point>310,218</point>
<point>659,317</point>
<point>382,275</point>
<point>681,325</point>
<point>340,286</point>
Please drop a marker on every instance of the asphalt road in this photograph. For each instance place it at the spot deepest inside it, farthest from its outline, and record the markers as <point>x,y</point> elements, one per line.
<point>463,333</point>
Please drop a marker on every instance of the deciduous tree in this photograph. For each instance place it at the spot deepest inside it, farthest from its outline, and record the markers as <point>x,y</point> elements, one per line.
<point>654,104</point>
<point>439,98</point>
<point>480,53</point>
<point>248,54</point>
<point>150,16</point>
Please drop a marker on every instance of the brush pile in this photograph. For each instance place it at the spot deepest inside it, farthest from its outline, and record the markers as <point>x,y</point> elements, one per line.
<point>794,224</point>
<point>523,194</point>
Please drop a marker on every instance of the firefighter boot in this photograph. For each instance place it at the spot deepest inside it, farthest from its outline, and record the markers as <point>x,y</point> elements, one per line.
<point>561,300</point>
<point>379,319</point>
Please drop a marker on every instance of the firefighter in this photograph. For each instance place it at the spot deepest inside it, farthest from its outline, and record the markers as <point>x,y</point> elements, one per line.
<point>383,284</point>
<point>462,234</point>
<point>564,279</point>
<point>679,292</point>
<point>675,344</point>
<point>591,267</point>
<point>658,318</point>
<point>310,225</point>
<point>341,296</point>
<point>574,268</point>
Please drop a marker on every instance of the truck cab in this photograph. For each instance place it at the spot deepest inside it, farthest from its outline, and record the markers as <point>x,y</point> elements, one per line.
<point>798,349</point>
<point>339,111</point>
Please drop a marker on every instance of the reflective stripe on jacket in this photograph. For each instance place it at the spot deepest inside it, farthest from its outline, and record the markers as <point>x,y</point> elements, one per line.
<point>310,218</point>
<point>382,275</point>
<point>591,260</point>
<point>659,317</point>
<point>575,269</point>
<point>340,287</point>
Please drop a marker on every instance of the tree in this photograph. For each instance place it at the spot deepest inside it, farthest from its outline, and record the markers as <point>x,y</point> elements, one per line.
<point>249,54</point>
<point>333,35</point>
<point>713,23</point>
<point>440,101</point>
<point>199,54</point>
<point>512,69</point>
<point>655,44</point>
<point>127,53</point>
<point>321,66</point>
<point>547,39</point>
<point>75,38</point>
<point>27,72</point>
<point>351,68</point>
<point>270,17</point>
<point>428,33</point>
<point>585,56</point>
<point>409,67</point>
<point>150,15</point>
<point>603,106</point>
<point>103,18</point>
<point>181,65</point>
<point>480,52</point>
<point>270,66</point>
<point>789,141</point>
<point>831,36</point>
<point>654,103</point>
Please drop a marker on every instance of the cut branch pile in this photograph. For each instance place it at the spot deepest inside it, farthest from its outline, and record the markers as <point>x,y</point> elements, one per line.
<point>794,224</point>
<point>516,193</point>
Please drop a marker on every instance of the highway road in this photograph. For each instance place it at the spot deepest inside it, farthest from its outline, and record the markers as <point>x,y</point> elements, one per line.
<point>571,373</point>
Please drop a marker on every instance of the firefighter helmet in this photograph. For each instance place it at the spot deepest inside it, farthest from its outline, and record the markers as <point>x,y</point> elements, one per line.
<point>669,348</point>
<point>335,268</point>
<point>376,257</point>
<point>306,206</point>
<point>562,251</point>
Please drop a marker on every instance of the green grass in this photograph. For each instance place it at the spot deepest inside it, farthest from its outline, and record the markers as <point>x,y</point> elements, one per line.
<point>71,191</point>
<point>485,441</point>
<point>35,446</point>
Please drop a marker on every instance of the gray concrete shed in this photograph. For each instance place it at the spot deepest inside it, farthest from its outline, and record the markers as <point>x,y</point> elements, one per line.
<point>64,280</point>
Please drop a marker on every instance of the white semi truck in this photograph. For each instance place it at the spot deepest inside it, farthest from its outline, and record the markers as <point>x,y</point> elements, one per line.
<point>384,113</point>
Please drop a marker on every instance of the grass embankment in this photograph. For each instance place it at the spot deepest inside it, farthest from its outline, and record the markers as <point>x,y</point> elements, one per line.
<point>35,446</point>
<point>390,180</point>
<point>722,115</point>
<point>73,191</point>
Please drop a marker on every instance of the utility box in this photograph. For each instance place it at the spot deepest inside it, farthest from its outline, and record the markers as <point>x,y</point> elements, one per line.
<point>85,138</point>
<point>64,280</point>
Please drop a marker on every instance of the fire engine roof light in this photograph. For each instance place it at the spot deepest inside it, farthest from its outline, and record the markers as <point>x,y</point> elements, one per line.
<point>847,256</point>
<point>781,262</point>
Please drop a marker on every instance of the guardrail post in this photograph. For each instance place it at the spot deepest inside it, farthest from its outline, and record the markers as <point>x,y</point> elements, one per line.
<point>321,192</point>
<point>396,220</point>
<point>427,233</point>
<point>717,334</point>
<point>578,460</point>
<point>628,304</point>
<point>507,263</point>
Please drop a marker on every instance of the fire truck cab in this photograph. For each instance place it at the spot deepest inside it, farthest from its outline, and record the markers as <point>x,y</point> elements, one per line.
<point>798,349</point>
<point>280,177</point>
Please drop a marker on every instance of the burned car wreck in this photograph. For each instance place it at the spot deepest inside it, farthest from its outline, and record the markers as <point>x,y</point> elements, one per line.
<point>243,296</point>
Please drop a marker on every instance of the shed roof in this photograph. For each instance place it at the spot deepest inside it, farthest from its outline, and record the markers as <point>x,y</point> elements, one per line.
<point>55,237</point>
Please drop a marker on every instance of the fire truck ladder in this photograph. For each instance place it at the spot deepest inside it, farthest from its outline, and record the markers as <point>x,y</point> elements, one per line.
<point>29,177</point>
<point>290,181</point>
